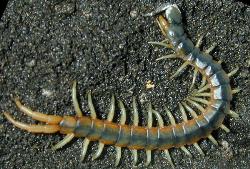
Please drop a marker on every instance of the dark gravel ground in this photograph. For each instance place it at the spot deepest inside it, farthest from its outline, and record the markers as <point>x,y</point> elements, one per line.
<point>45,45</point>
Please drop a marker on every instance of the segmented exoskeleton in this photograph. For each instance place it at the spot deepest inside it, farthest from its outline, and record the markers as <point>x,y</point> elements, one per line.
<point>207,105</point>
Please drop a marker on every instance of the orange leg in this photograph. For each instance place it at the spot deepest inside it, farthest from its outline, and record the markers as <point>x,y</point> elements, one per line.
<point>49,128</point>
<point>49,119</point>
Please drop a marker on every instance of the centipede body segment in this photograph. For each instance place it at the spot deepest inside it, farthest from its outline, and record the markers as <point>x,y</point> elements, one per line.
<point>208,105</point>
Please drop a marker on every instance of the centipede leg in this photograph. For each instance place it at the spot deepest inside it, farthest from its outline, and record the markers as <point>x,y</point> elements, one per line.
<point>179,70</point>
<point>75,101</point>
<point>233,114</point>
<point>63,142</point>
<point>203,82</point>
<point>49,119</point>
<point>194,115</point>
<point>99,151</point>
<point>118,155</point>
<point>204,101</point>
<point>122,122</point>
<point>223,127</point>
<point>184,116</point>
<point>185,150</point>
<point>150,123</point>
<point>205,94</point>
<point>162,44</point>
<point>172,121</point>
<point>219,62</point>
<point>91,106</point>
<point>204,88</point>
<point>109,118</point>
<point>212,139</point>
<point>33,128</point>
<point>86,141</point>
<point>211,48</point>
<point>161,124</point>
<point>78,111</point>
<point>148,161</point>
<point>233,72</point>
<point>170,56</point>
<point>84,148</point>
<point>135,123</point>
<point>199,41</point>
<point>135,157</point>
<point>237,90</point>
<point>169,158</point>
<point>194,78</point>
<point>197,105</point>
<point>196,145</point>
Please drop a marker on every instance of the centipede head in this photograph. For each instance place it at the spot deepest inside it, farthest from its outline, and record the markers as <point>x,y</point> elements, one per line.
<point>167,14</point>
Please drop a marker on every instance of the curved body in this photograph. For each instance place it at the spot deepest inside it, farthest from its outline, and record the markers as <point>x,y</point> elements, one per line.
<point>135,137</point>
<point>189,132</point>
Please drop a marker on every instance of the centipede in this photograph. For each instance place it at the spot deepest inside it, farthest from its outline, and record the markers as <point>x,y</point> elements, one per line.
<point>202,111</point>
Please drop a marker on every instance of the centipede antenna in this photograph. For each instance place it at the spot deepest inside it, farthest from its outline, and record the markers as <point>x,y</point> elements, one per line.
<point>198,44</point>
<point>227,130</point>
<point>148,153</point>
<point>185,150</point>
<point>211,48</point>
<point>161,44</point>
<point>233,72</point>
<point>197,105</point>
<point>118,155</point>
<point>194,78</point>
<point>49,119</point>
<point>135,157</point>
<point>112,109</point>
<point>169,158</point>
<point>99,151</point>
<point>179,70</point>
<point>84,148</point>
<point>91,106</point>
<point>170,56</point>
<point>233,114</point>
<point>199,100</point>
<point>135,110</point>
<point>211,138</point>
<point>63,142</point>
<point>75,101</point>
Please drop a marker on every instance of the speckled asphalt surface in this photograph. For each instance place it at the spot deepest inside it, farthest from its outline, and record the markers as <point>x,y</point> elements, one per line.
<point>45,45</point>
